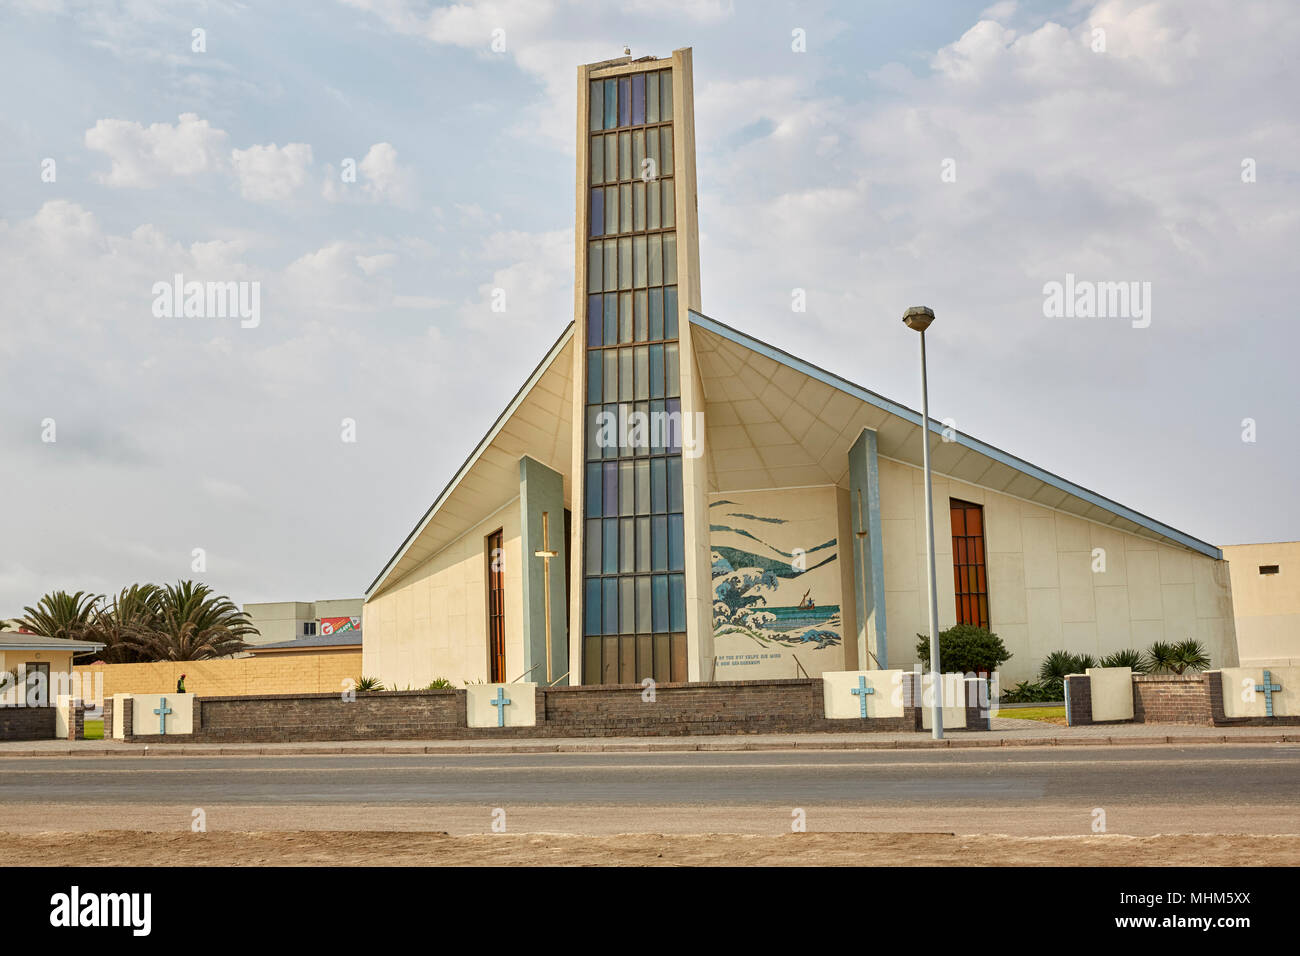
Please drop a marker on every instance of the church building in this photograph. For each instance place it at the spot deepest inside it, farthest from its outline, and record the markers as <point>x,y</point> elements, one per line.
<point>669,497</point>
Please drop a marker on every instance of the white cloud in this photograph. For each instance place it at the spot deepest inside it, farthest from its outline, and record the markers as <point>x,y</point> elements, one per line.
<point>271,172</point>
<point>143,157</point>
<point>380,178</point>
<point>1002,10</point>
<point>383,178</point>
<point>371,265</point>
<point>544,38</point>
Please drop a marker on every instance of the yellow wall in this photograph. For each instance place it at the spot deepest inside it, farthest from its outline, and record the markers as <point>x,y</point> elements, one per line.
<point>59,661</point>
<point>1267,606</point>
<point>1043,594</point>
<point>270,674</point>
<point>433,623</point>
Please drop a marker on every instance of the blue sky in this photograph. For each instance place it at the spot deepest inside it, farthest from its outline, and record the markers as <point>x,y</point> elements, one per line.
<point>818,170</point>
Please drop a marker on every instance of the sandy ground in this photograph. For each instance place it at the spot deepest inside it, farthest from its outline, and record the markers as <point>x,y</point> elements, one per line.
<point>371,848</point>
<point>1038,820</point>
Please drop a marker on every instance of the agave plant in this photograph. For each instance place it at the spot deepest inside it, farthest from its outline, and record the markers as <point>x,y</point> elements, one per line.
<point>193,624</point>
<point>1058,664</point>
<point>1190,656</point>
<point>369,683</point>
<point>1162,658</point>
<point>63,615</point>
<point>1129,658</point>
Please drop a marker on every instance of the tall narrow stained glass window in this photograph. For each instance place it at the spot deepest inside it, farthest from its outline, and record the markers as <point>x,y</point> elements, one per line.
<point>634,619</point>
<point>969,567</point>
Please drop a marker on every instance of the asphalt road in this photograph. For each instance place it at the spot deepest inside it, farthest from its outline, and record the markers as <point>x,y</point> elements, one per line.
<point>1145,789</point>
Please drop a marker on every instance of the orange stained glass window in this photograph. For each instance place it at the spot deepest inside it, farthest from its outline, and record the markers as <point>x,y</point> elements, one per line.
<point>969,568</point>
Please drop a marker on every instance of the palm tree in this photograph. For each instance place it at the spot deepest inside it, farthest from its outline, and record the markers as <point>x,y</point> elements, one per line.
<point>193,624</point>
<point>134,613</point>
<point>63,615</point>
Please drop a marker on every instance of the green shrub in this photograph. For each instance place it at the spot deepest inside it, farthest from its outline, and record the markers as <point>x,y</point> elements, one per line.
<point>1127,658</point>
<point>439,683</point>
<point>967,649</point>
<point>1192,656</point>
<point>1058,664</point>
<point>1167,658</point>
<point>1033,692</point>
<point>369,683</point>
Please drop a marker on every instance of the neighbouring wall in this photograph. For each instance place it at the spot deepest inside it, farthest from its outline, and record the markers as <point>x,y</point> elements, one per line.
<point>278,674</point>
<point>1267,606</point>
<point>27,723</point>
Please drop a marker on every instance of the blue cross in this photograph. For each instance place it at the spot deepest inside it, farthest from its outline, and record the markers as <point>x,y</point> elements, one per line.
<point>162,710</point>
<point>861,691</point>
<point>500,702</point>
<point>1268,687</point>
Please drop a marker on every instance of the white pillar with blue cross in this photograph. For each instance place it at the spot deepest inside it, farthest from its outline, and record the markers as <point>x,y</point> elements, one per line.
<point>501,705</point>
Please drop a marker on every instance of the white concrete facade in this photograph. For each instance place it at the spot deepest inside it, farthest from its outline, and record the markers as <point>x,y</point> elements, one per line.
<point>786,573</point>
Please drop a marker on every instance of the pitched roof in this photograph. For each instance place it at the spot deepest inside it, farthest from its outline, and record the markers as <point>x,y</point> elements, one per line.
<point>349,638</point>
<point>15,641</point>
<point>775,419</point>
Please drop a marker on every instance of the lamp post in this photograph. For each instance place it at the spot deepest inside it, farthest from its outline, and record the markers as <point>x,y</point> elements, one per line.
<point>545,553</point>
<point>918,319</point>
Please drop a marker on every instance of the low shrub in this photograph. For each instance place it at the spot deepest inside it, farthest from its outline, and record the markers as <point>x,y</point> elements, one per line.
<point>1163,657</point>
<point>1033,692</point>
<point>1127,658</point>
<point>1058,665</point>
<point>966,649</point>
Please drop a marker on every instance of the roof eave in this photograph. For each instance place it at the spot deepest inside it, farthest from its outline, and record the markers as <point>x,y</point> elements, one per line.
<point>974,444</point>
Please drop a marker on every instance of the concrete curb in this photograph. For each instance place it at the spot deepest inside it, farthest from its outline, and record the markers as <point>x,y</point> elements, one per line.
<point>650,746</point>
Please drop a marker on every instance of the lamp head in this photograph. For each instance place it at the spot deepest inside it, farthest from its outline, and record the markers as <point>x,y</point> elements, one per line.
<point>918,318</point>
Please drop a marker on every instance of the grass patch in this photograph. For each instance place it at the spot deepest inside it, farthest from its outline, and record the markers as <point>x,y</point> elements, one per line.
<point>1052,715</point>
<point>95,729</point>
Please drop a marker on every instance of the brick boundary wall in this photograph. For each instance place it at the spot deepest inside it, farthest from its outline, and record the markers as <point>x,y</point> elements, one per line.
<point>1221,719</point>
<point>27,723</point>
<point>77,720</point>
<point>1078,701</point>
<point>1195,699</point>
<point>107,708</point>
<point>1171,699</point>
<point>722,707</point>
<point>977,717</point>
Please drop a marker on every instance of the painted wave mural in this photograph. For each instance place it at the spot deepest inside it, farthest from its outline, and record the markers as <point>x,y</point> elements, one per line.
<point>765,592</point>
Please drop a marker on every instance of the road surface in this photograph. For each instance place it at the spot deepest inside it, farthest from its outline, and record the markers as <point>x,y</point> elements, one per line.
<point>1050,791</point>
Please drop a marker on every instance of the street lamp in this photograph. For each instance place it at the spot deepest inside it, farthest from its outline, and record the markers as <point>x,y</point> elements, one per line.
<point>918,319</point>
